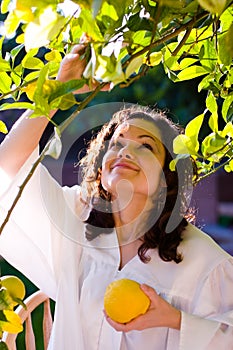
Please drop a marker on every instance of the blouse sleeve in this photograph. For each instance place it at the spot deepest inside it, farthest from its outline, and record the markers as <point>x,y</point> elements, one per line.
<point>210,327</point>
<point>44,217</point>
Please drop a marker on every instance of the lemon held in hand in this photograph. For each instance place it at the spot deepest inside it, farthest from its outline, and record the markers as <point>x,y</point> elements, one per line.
<point>14,286</point>
<point>124,300</point>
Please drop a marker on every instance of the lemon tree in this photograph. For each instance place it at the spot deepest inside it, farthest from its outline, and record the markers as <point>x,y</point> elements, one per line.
<point>189,39</point>
<point>124,300</point>
<point>12,292</point>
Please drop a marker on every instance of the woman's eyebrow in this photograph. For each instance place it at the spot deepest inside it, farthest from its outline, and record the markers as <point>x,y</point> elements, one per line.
<point>151,137</point>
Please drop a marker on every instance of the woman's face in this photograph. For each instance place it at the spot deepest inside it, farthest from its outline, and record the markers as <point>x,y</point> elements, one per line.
<point>136,155</point>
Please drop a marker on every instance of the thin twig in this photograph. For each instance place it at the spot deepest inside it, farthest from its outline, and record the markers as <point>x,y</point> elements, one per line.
<point>21,188</point>
<point>18,88</point>
<point>183,41</point>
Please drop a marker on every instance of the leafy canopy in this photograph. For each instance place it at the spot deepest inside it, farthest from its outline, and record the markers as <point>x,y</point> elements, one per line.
<point>189,38</point>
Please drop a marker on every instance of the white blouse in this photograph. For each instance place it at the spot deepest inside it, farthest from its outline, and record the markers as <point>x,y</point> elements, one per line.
<point>45,239</point>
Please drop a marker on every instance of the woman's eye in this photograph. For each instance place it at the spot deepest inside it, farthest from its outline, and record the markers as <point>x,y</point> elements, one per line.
<point>148,146</point>
<point>116,145</point>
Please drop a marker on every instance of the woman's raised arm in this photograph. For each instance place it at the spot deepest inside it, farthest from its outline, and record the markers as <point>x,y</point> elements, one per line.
<point>25,134</point>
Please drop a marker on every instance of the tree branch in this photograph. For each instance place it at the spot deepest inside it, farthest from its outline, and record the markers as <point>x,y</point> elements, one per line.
<point>167,37</point>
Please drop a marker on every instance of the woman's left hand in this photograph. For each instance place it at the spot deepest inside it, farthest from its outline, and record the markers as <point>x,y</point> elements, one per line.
<point>159,314</point>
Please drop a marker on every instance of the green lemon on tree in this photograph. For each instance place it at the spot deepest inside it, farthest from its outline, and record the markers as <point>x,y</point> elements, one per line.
<point>15,288</point>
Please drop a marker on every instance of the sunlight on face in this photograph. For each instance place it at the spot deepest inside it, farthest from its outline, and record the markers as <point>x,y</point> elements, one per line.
<point>134,160</point>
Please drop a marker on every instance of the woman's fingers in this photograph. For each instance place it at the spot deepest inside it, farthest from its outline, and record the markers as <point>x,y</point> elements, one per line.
<point>73,66</point>
<point>150,292</point>
<point>78,49</point>
<point>119,327</point>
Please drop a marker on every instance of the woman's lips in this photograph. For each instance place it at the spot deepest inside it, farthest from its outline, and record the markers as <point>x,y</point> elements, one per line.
<point>125,164</point>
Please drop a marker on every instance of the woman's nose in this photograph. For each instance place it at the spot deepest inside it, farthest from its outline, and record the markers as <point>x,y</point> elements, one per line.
<point>126,152</point>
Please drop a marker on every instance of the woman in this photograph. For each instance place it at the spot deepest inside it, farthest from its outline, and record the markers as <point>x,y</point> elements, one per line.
<point>125,221</point>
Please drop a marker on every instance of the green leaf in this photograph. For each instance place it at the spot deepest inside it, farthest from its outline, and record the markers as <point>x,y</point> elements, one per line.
<point>66,102</point>
<point>54,89</point>
<point>192,72</point>
<point>38,33</point>
<point>55,145</point>
<point>212,106</point>
<point>213,122</point>
<point>17,105</point>
<point>182,144</point>
<point>14,52</point>
<point>229,167</point>
<point>1,43</point>
<point>53,55</point>
<point>4,65</point>
<point>227,103</point>
<point>212,146</point>
<point>225,48</point>
<point>109,70</point>
<point>211,103</point>
<point>213,6</point>
<point>5,301</point>
<point>136,22</point>
<point>16,78</point>
<point>5,82</point>
<point>172,164</point>
<point>206,83</point>
<point>89,25</point>
<point>169,60</point>
<point>41,80</point>
<point>11,23</point>
<point>192,130</point>
<point>227,131</point>
<point>134,66</point>
<point>109,10</point>
<point>186,62</point>
<point>4,6</point>
<point>31,76</point>
<point>32,63</point>
<point>140,38</point>
<point>41,106</point>
<point>209,56</point>
<point>154,59</point>
<point>3,127</point>
<point>40,4</point>
<point>226,19</point>
<point>48,92</point>
<point>229,44</point>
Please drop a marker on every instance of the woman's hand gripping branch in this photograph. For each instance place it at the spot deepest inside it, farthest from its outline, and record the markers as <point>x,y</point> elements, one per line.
<point>73,66</point>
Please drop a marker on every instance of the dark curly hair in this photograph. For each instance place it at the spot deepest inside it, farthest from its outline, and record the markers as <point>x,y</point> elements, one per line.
<point>166,233</point>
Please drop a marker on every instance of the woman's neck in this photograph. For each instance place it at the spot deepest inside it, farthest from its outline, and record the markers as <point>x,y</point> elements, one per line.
<point>130,216</point>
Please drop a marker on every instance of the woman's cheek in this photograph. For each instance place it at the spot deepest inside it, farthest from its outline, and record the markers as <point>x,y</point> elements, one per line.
<point>106,163</point>
<point>154,176</point>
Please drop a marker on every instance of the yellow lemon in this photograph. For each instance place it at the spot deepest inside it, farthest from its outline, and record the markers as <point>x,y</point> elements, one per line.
<point>124,300</point>
<point>14,286</point>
